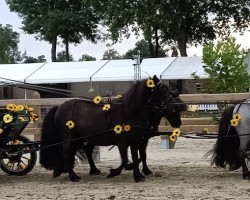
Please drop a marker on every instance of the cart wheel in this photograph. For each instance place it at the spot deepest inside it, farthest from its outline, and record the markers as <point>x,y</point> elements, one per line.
<point>19,165</point>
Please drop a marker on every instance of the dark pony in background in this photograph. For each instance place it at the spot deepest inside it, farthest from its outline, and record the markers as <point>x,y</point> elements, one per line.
<point>232,146</point>
<point>172,114</point>
<point>95,126</point>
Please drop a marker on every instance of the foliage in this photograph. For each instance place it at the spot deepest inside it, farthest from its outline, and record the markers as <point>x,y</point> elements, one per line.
<point>39,59</point>
<point>176,22</point>
<point>9,40</point>
<point>144,49</point>
<point>71,20</point>
<point>226,66</point>
<point>111,54</point>
<point>86,57</point>
<point>61,57</point>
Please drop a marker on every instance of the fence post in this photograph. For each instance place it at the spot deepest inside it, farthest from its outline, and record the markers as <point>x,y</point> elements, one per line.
<point>37,110</point>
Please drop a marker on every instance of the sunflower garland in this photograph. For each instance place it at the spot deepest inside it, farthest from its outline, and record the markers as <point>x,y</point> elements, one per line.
<point>150,83</point>
<point>118,129</point>
<point>70,124</point>
<point>175,133</point>
<point>122,128</point>
<point>106,107</point>
<point>97,99</point>
<point>235,120</point>
<point>7,118</point>
<point>127,128</point>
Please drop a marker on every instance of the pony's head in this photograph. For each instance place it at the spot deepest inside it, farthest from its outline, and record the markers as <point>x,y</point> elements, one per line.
<point>172,107</point>
<point>149,91</point>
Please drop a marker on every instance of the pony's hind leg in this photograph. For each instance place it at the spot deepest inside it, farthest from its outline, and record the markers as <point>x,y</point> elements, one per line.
<point>123,149</point>
<point>88,148</point>
<point>69,151</point>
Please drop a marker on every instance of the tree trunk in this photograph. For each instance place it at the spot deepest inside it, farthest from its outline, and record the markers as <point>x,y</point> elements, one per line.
<point>67,49</point>
<point>151,48</point>
<point>156,43</point>
<point>53,49</point>
<point>182,46</point>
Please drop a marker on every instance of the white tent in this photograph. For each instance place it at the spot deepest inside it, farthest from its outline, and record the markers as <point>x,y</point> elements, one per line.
<point>17,72</point>
<point>103,70</point>
<point>66,72</point>
<point>183,67</point>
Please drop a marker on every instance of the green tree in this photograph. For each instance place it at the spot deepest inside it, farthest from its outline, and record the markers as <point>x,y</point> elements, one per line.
<point>111,54</point>
<point>225,64</point>
<point>71,20</point>
<point>176,22</point>
<point>61,57</point>
<point>144,49</point>
<point>86,57</point>
<point>39,59</point>
<point>9,40</point>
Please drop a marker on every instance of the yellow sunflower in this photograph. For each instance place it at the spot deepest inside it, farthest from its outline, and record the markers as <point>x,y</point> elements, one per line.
<point>150,83</point>
<point>106,107</point>
<point>172,137</point>
<point>70,124</point>
<point>16,109</point>
<point>21,119</point>
<point>7,118</point>
<point>205,130</point>
<point>176,132</point>
<point>10,107</point>
<point>237,117</point>
<point>118,96</point>
<point>234,122</point>
<point>118,129</point>
<point>127,128</point>
<point>1,130</point>
<point>20,107</point>
<point>33,116</point>
<point>97,99</point>
<point>30,109</point>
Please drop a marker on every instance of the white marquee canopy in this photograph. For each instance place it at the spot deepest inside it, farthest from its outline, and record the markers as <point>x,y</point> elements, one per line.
<point>169,68</point>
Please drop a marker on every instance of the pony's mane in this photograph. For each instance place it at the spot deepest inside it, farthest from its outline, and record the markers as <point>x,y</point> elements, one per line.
<point>135,96</point>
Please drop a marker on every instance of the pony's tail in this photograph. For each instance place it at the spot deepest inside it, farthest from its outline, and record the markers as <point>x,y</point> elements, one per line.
<point>226,147</point>
<point>51,148</point>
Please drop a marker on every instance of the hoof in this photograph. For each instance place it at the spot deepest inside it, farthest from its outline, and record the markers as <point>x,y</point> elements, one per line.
<point>129,166</point>
<point>74,178</point>
<point>147,172</point>
<point>95,172</point>
<point>139,178</point>
<point>56,173</point>
<point>113,173</point>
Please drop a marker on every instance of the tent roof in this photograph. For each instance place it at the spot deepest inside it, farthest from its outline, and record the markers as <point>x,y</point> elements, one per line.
<point>183,67</point>
<point>66,72</point>
<point>103,70</point>
<point>17,72</point>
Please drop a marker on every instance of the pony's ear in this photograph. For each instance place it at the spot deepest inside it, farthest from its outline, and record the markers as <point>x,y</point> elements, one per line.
<point>175,93</point>
<point>155,79</point>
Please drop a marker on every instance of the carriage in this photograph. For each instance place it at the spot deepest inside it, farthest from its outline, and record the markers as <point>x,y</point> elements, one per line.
<point>18,154</point>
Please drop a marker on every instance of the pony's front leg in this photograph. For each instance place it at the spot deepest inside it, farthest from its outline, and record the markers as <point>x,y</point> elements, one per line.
<point>244,144</point>
<point>123,149</point>
<point>143,157</point>
<point>138,177</point>
<point>245,171</point>
<point>69,151</point>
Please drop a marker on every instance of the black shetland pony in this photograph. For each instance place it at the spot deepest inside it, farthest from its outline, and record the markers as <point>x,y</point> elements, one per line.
<point>172,114</point>
<point>96,126</point>
<point>232,145</point>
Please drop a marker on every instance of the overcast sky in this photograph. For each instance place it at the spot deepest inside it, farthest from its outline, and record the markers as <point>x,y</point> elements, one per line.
<point>36,48</point>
